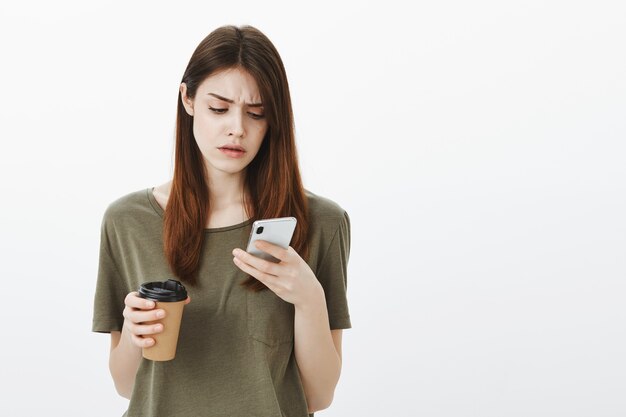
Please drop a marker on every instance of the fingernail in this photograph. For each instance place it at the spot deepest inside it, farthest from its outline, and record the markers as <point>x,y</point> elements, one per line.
<point>149,304</point>
<point>160,313</point>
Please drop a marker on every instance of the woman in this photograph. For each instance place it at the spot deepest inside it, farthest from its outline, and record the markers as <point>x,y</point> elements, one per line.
<point>257,338</point>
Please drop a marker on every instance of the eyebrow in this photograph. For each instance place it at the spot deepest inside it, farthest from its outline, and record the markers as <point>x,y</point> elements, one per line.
<point>232,101</point>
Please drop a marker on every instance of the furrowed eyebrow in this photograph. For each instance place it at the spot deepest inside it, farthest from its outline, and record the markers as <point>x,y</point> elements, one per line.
<point>232,101</point>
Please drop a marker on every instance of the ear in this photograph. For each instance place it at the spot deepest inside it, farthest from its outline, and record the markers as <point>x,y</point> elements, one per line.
<point>187,103</point>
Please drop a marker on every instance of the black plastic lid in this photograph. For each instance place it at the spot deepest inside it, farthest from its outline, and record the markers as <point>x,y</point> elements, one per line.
<point>170,290</point>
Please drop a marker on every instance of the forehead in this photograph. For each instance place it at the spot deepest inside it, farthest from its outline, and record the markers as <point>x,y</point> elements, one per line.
<point>235,84</point>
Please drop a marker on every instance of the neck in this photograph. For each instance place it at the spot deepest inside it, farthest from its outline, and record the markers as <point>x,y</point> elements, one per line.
<point>226,190</point>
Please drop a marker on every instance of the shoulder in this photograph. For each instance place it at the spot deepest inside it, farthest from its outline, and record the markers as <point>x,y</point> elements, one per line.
<point>326,216</point>
<point>324,208</point>
<point>127,204</point>
<point>131,211</point>
<point>329,234</point>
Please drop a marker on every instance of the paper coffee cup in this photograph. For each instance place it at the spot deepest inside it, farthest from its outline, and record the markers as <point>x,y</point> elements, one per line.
<point>170,296</point>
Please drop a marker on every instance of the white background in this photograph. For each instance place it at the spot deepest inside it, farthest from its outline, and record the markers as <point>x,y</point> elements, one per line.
<point>478,147</point>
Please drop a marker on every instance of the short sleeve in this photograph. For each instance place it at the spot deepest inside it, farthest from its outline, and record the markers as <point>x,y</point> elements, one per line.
<point>110,293</point>
<point>333,275</point>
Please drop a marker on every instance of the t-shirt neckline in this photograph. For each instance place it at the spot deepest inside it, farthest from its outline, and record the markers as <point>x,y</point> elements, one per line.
<point>159,210</point>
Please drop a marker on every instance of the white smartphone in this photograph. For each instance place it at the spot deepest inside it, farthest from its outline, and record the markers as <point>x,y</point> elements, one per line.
<point>278,231</point>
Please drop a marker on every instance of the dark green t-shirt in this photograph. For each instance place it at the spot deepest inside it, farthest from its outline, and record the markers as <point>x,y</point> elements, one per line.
<point>235,354</point>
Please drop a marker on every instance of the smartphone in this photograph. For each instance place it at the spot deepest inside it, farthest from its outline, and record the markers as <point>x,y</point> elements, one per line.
<point>278,231</point>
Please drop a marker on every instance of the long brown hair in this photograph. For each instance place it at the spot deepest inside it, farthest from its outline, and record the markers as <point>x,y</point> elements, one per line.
<point>272,181</point>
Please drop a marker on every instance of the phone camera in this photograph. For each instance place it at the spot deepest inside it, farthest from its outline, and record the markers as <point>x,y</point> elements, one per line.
<point>259,230</point>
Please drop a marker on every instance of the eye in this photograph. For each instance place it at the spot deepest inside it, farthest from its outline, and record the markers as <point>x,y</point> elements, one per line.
<point>218,111</point>
<point>256,116</point>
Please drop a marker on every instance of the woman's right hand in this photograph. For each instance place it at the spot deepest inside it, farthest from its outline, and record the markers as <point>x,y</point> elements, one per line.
<point>137,312</point>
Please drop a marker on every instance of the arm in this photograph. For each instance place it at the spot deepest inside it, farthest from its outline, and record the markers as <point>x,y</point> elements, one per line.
<point>318,354</point>
<point>124,361</point>
<point>317,350</point>
<point>126,347</point>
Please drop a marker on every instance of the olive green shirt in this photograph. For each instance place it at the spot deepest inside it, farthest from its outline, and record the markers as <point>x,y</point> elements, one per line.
<point>235,354</point>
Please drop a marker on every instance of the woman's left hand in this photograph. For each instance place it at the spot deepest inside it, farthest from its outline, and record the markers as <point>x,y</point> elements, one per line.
<point>291,279</point>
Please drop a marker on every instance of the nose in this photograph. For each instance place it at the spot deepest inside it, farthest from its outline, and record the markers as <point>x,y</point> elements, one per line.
<point>235,127</point>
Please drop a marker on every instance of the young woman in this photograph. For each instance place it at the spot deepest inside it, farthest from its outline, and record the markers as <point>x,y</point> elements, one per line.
<point>257,338</point>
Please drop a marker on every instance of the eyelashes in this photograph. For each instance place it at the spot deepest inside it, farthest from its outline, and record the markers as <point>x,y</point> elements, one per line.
<point>222,111</point>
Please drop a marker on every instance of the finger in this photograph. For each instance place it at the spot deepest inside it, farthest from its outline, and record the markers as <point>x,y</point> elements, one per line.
<point>133,300</point>
<point>274,250</point>
<point>267,279</point>
<point>257,263</point>
<point>142,341</point>
<point>141,316</point>
<point>188,300</point>
<point>145,329</point>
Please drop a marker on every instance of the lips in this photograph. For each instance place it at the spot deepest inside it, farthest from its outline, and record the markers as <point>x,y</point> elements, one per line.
<point>232,152</point>
<point>233,148</point>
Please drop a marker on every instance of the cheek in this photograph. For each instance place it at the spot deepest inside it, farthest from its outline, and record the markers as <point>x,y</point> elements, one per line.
<point>204,130</point>
<point>258,131</point>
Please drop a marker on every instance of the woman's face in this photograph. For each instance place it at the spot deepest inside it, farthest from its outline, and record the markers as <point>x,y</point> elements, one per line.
<point>227,112</point>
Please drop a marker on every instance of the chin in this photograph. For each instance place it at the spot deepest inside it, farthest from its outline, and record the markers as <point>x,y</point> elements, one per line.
<point>231,167</point>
